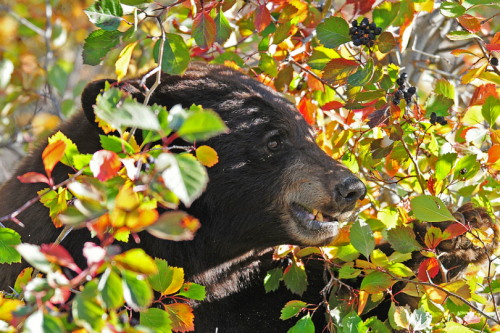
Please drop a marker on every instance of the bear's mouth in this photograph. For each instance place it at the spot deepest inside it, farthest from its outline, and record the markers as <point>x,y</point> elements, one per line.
<point>314,220</point>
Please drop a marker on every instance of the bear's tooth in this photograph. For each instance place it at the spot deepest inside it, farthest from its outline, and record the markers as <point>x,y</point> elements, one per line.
<point>315,212</point>
<point>319,217</point>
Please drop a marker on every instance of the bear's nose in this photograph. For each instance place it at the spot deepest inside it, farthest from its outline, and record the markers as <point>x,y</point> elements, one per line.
<point>349,191</point>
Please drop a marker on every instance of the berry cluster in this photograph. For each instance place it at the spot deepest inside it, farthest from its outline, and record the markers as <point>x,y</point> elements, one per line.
<point>439,120</point>
<point>364,33</point>
<point>402,92</point>
<point>494,61</point>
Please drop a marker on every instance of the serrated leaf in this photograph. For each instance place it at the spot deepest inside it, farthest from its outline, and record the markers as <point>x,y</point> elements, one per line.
<point>193,291</point>
<point>272,279</point>
<point>136,260</point>
<point>291,309</point>
<point>8,239</point>
<point>262,18</point>
<point>491,110</point>
<point>156,319</point>
<point>376,282</point>
<point>136,290</point>
<point>399,269</point>
<point>438,104</point>
<point>430,209</point>
<point>176,56</point>
<point>362,75</point>
<point>222,28</point>
<point>111,290</point>
<point>420,319</point>
<point>361,237</point>
<point>303,325</point>
<point>402,239</point>
<point>106,14</point>
<point>201,125</point>
<point>333,32</point>
<point>337,71</point>
<point>444,165</point>
<point>321,56</point>
<point>182,317</point>
<point>98,44</point>
<point>204,30</point>
<point>268,65</point>
<point>70,151</point>
<point>167,280</point>
<point>295,279</point>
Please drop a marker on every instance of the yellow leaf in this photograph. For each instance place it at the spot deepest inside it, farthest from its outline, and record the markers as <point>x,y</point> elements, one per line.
<point>474,73</point>
<point>363,299</point>
<point>207,156</point>
<point>127,199</point>
<point>177,281</point>
<point>136,260</point>
<point>379,258</point>
<point>123,60</point>
<point>7,306</point>
<point>435,295</point>
<point>377,297</point>
<point>401,315</point>
<point>132,141</point>
<point>44,122</point>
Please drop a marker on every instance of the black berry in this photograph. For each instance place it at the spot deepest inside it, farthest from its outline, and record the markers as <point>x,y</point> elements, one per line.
<point>463,171</point>
<point>371,44</point>
<point>399,94</point>
<point>371,36</point>
<point>373,26</point>
<point>443,122</point>
<point>353,30</point>
<point>378,31</point>
<point>354,23</point>
<point>494,61</point>
<point>408,101</point>
<point>407,95</point>
<point>433,118</point>
<point>357,42</point>
<point>412,90</point>
<point>396,101</point>
<point>404,75</point>
<point>365,21</point>
<point>439,119</point>
<point>364,40</point>
<point>400,81</point>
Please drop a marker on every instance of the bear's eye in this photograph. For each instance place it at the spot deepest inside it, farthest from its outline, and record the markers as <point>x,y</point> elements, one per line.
<point>274,143</point>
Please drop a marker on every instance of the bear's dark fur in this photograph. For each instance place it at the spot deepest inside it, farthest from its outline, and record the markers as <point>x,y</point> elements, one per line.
<point>255,197</point>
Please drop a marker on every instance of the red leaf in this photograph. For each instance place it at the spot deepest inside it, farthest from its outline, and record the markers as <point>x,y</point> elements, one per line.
<point>482,93</point>
<point>334,105</point>
<point>204,30</point>
<point>105,164</point>
<point>430,185</point>
<point>52,154</point>
<point>59,255</point>
<point>470,23</point>
<point>182,317</point>
<point>493,47</point>
<point>338,70</point>
<point>308,110</point>
<point>361,6</point>
<point>429,265</point>
<point>493,154</point>
<point>33,177</point>
<point>262,18</point>
<point>454,230</point>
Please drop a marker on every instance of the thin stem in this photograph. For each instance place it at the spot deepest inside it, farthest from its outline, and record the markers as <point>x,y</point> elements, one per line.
<point>417,169</point>
<point>22,20</point>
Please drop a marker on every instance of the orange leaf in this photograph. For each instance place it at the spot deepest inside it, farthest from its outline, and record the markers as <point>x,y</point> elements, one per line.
<point>430,265</point>
<point>262,18</point>
<point>493,47</point>
<point>363,299</point>
<point>308,110</point>
<point>100,226</point>
<point>470,23</point>
<point>207,156</point>
<point>314,84</point>
<point>482,93</point>
<point>493,154</point>
<point>105,164</point>
<point>391,167</point>
<point>182,317</point>
<point>458,52</point>
<point>496,38</point>
<point>52,154</point>
<point>204,30</point>
<point>332,106</point>
<point>338,70</point>
<point>33,177</point>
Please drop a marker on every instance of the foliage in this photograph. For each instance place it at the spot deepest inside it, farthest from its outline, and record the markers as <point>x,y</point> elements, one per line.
<point>419,153</point>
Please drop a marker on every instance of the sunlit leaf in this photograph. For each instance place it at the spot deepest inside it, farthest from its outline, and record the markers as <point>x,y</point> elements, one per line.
<point>204,30</point>
<point>291,309</point>
<point>123,60</point>
<point>430,209</point>
<point>262,18</point>
<point>361,237</point>
<point>295,278</point>
<point>136,290</point>
<point>98,44</point>
<point>174,225</point>
<point>192,291</point>
<point>8,240</point>
<point>110,289</point>
<point>303,325</point>
<point>402,239</point>
<point>333,32</point>
<point>207,156</point>
<point>222,28</point>
<point>272,279</point>
<point>376,282</point>
<point>167,280</point>
<point>52,154</point>
<point>430,267</point>
<point>156,319</point>
<point>176,57</point>
<point>182,317</point>
<point>105,14</point>
<point>105,165</point>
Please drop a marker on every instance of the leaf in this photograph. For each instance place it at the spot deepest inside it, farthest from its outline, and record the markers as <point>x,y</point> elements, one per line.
<point>33,177</point>
<point>461,35</point>
<point>105,165</point>
<point>376,325</point>
<point>438,104</point>
<point>399,269</point>
<point>474,73</point>
<point>136,290</point>
<point>174,225</point>
<point>272,279</point>
<point>351,323</point>
<point>307,109</point>
<point>376,282</point>
<point>98,44</point>
<point>452,9</point>
<point>291,309</point>
<point>470,23</point>
<point>333,32</point>
<point>23,278</point>
<point>321,56</point>
<point>454,230</point>
<point>430,209</point>
<point>420,319</point>
<point>491,110</point>
<point>176,56</point>
<point>402,239</point>
<point>123,60</point>
<point>262,18</point>
<point>40,322</point>
<point>136,260</point>
<point>379,258</point>
<point>52,154</point>
<point>385,14</point>
<point>192,291</point>
<point>86,311</point>
<point>110,290</point>
<point>444,165</point>
<point>8,239</point>
<point>207,156</point>
<point>445,88</point>
<point>428,266</point>
<point>361,237</point>
<point>182,317</point>
<point>202,125</point>
<point>156,319</point>
<point>337,71</point>
<point>295,278</point>
<point>222,28</point>
<point>362,75</point>
<point>268,65</point>
<point>204,30</point>
<point>57,254</point>
<point>303,325</point>
<point>70,151</point>
<point>31,253</point>
<point>433,237</point>
<point>452,327</point>
<point>386,42</point>
<point>167,280</point>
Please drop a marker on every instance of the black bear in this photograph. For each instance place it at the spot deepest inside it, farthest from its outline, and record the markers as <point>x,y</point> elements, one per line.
<point>270,175</point>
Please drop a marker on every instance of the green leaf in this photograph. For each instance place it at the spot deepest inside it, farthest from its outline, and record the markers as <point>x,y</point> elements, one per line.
<point>438,104</point>
<point>445,88</point>
<point>176,56</point>
<point>58,77</point>
<point>303,325</point>
<point>461,35</point>
<point>70,151</point>
<point>468,163</point>
<point>376,282</point>
<point>152,136</point>
<point>115,143</point>
<point>452,9</point>
<point>136,290</point>
<point>130,113</point>
<point>333,32</point>
<point>136,260</point>
<point>268,65</point>
<point>193,291</point>
<point>386,42</point>
<point>185,176</point>
<point>98,44</point>
<point>402,239</point>
<point>452,327</point>
<point>444,165</point>
<point>40,322</point>
<point>362,75</point>
<point>222,28</point>
<point>376,325</point>
<point>291,309</point>
<point>8,239</point>
<point>399,269</point>
<point>385,14</point>
<point>491,110</point>
<point>272,279</point>
<point>230,56</point>
<point>157,319</point>
<point>162,280</point>
<point>337,71</point>
<point>321,56</point>
<point>348,272</point>
<point>105,14</point>
<point>295,279</point>
<point>201,125</point>
<point>353,324</point>
<point>111,290</point>
<point>430,209</point>
<point>33,255</point>
<point>361,237</point>
<point>203,30</point>
<point>86,311</point>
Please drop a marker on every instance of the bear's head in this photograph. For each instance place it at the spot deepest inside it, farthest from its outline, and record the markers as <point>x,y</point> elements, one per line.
<point>273,184</point>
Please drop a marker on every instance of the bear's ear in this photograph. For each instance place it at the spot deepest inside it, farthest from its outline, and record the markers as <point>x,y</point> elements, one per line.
<point>93,89</point>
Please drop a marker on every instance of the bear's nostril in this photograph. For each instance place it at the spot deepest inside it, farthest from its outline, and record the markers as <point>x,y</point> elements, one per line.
<point>350,190</point>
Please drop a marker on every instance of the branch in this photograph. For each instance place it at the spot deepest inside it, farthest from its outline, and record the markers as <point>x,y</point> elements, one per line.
<point>22,20</point>
<point>417,169</point>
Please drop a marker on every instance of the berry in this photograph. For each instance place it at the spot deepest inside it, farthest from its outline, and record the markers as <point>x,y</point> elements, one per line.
<point>396,101</point>
<point>404,75</point>
<point>463,171</point>
<point>364,40</point>
<point>378,31</point>
<point>371,44</point>
<point>399,94</point>
<point>440,119</point>
<point>367,29</point>
<point>353,30</point>
<point>354,23</point>
<point>371,36</point>
<point>357,42</point>
<point>443,122</point>
<point>494,61</point>
<point>400,81</point>
<point>412,90</point>
<point>408,101</point>
<point>407,95</point>
<point>433,118</point>
<point>365,21</point>
<point>373,26</point>
<point>362,25</point>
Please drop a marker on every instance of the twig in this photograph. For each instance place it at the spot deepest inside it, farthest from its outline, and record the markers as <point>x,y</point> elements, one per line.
<point>23,21</point>
<point>417,169</point>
